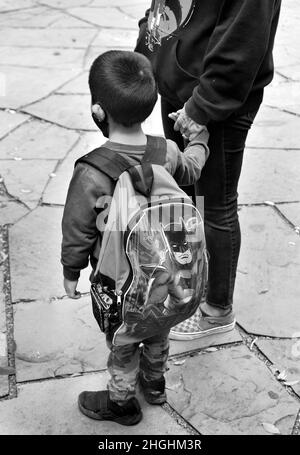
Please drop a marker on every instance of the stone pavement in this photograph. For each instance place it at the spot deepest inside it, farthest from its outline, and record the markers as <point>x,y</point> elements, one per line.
<point>50,347</point>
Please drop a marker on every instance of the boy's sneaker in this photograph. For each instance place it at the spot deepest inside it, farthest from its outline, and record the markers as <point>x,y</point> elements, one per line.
<point>154,391</point>
<point>201,325</point>
<point>98,406</point>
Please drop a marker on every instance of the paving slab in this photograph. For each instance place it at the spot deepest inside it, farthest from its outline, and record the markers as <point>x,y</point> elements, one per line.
<point>292,72</point>
<point>9,121</point>
<point>105,17</point>
<point>35,243</point>
<point>285,355</point>
<point>274,129</point>
<point>117,39</point>
<point>46,38</point>
<point>230,392</point>
<point>57,188</point>
<point>285,53</point>
<point>116,3</point>
<point>267,288</point>
<point>50,408</point>
<point>64,339</point>
<point>65,22</point>
<point>77,86</point>
<point>136,11</point>
<point>17,78</point>
<point>94,51</point>
<point>269,175</point>
<point>35,17</point>
<point>38,140</point>
<point>291,211</point>
<point>179,347</point>
<point>70,111</point>
<point>18,179</point>
<point>43,57</point>
<point>11,211</point>
<point>64,4</point>
<point>5,5</point>
<point>284,96</point>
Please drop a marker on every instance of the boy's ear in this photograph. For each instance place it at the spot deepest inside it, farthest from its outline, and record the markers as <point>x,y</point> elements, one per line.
<point>98,112</point>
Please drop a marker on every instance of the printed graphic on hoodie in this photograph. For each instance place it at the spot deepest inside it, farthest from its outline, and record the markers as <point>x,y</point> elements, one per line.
<point>165,18</point>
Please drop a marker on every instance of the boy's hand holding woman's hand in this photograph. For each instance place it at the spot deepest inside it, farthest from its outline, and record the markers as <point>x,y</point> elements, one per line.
<point>70,288</point>
<point>187,126</point>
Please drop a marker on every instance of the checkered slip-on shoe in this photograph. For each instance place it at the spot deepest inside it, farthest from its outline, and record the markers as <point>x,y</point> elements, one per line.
<point>201,325</point>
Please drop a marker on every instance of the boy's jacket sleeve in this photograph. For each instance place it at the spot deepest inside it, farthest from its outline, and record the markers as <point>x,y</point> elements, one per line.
<point>186,167</point>
<point>79,229</point>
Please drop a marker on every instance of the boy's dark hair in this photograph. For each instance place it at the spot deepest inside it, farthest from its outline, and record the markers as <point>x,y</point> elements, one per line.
<point>123,83</point>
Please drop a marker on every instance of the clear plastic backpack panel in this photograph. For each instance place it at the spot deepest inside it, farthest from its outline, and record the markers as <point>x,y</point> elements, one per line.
<point>166,250</point>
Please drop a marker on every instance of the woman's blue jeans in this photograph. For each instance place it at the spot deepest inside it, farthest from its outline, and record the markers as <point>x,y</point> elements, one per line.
<point>218,185</point>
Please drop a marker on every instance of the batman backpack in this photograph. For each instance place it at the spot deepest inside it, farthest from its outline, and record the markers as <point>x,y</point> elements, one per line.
<point>152,266</point>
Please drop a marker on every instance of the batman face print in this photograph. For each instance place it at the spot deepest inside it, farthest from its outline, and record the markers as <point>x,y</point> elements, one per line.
<point>180,249</point>
<point>179,246</point>
<point>165,18</point>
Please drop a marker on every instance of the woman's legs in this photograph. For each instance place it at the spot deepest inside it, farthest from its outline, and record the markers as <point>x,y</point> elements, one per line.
<point>218,185</point>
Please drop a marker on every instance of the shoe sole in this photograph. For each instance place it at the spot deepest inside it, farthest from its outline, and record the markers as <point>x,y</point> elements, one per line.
<point>121,420</point>
<point>184,336</point>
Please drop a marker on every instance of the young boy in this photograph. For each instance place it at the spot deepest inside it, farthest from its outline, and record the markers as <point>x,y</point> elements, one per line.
<point>123,92</point>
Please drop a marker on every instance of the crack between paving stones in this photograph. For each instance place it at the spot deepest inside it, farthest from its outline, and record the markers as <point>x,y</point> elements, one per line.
<point>10,196</point>
<point>296,427</point>
<point>288,79</point>
<point>29,159</point>
<point>12,391</point>
<point>27,120</point>
<point>37,117</point>
<point>19,9</point>
<point>281,109</point>
<point>89,47</point>
<point>60,376</point>
<point>263,204</point>
<point>122,11</point>
<point>25,106</point>
<point>179,419</point>
<point>198,351</point>
<point>253,335</point>
<point>285,219</point>
<point>15,302</point>
<point>286,149</point>
<point>56,167</point>
<point>67,13</point>
<point>274,205</point>
<point>260,355</point>
<point>38,46</point>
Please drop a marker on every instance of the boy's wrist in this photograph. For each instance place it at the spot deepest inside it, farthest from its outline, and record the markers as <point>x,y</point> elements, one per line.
<point>70,274</point>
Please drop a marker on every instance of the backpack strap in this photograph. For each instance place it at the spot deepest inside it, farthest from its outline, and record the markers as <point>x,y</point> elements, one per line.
<point>156,150</point>
<point>106,161</point>
<point>113,164</point>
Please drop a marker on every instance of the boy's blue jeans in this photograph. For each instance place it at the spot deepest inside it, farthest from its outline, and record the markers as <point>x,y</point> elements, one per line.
<point>218,185</point>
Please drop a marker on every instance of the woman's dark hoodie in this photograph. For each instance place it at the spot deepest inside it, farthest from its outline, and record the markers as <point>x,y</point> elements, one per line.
<point>220,61</point>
